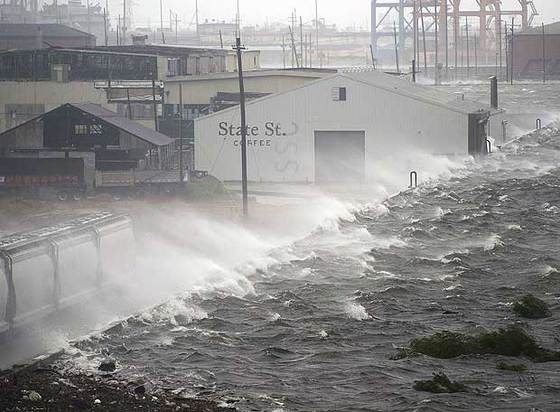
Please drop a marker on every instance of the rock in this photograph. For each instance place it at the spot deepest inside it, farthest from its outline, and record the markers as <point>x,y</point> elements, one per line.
<point>140,390</point>
<point>97,402</point>
<point>34,396</point>
<point>511,341</point>
<point>108,365</point>
<point>439,384</point>
<point>532,308</point>
<point>444,345</point>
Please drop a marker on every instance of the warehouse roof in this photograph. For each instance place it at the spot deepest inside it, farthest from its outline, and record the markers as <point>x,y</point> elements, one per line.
<point>124,124</point>
<point>161,49</point>
<point>47,30</point>
<point>428,94</point>
<point>397,85</point>
<point>552,28</point>
<point>301,72</point>
<point>114,119</point>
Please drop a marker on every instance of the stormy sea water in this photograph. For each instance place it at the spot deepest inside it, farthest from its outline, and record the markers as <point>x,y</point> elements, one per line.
<point>315,324</point>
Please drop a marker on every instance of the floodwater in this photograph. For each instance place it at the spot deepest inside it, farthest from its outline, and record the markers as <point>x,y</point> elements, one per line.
<point>312,324</point>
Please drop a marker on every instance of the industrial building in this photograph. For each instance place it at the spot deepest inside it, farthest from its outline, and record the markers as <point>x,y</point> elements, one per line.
<point>209,93</point>
<point>334,129</point>
<point>86,17</point>
<point>116,77</point>
<point>42,36</point>
<point>105,140</point>
<point>536,53</point>
<point>33,82</point>
<point>203,93</point>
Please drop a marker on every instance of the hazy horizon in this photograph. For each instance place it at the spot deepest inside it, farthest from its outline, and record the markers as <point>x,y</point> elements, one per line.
<point>353,13</point>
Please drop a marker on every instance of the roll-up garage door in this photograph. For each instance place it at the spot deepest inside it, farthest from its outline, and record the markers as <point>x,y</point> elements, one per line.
<point>340,156</point>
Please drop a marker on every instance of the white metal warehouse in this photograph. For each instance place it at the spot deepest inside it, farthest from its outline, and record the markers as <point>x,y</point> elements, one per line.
<point>334,129</point>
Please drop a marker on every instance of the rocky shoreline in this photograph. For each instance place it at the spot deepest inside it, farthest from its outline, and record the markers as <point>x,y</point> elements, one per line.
<point>42,386</point>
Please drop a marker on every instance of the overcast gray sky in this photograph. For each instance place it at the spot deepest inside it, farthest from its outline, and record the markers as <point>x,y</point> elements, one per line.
<point>344,13</point>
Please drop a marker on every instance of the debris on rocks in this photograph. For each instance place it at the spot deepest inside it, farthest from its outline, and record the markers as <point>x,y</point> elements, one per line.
<point>86,392</point>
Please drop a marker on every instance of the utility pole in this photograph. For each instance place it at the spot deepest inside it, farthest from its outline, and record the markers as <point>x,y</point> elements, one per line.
<point>543,54</point>
<point>301,40</point>
<point>176,28</point>
<point>512,48</point>
<point>446,16</point>
<point>88,17</point>
<point>294,50</point>
<point>501,47</point>
<point>239,49</point>
<point>196,16</point>
<point>436,62</point>
<point>181,166</point>
<point>475,53</point>
<point>154,102</point>
<point>468,49</point>
<point>317,27</point>
<point>414,36</point>
<point>284,51</point>
<point>124,23</point>
<point>161,20</point>
<point>105,26</point>
<point>396,46</point>
<point>105,13</point>
<point>238,21</point>
<point>424,39</point>
<point>129,104</point>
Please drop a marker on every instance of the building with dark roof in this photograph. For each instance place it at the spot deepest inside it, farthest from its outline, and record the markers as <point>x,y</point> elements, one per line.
<point>39,36</point>
<point>536,53</point>
<point>88,130</point>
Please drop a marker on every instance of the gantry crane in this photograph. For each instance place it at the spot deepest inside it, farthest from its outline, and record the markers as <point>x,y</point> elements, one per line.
<point>407,14</point>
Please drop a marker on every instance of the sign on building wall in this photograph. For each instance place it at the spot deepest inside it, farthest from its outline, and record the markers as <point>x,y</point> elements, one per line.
<point>275,150</point>
<point>258,135</point>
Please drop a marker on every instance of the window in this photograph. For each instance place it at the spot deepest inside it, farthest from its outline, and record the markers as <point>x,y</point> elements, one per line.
<point>96,129</point>
<point>80,129</point>
<point>339,94</point>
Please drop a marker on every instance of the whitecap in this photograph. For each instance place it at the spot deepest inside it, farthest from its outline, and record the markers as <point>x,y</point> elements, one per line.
<point>549,270</point>
<point>493,242</point>
<point>453,287</point>
<point>356,311</point>
<point>273,317</point>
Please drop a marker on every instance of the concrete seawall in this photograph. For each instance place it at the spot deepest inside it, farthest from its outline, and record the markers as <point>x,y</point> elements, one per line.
<point>46,270</point>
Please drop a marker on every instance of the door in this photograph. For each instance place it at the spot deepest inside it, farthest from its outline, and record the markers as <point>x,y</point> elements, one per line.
<point>340,156</point>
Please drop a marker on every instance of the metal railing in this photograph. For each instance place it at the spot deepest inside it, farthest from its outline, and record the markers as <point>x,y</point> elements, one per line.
<point>413,180</point>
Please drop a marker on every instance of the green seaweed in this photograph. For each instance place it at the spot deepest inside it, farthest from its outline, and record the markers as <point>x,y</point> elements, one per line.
<point>531,307</point>
<point>512,341</point>
<point>444,345</point>
<point>440,383</point>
